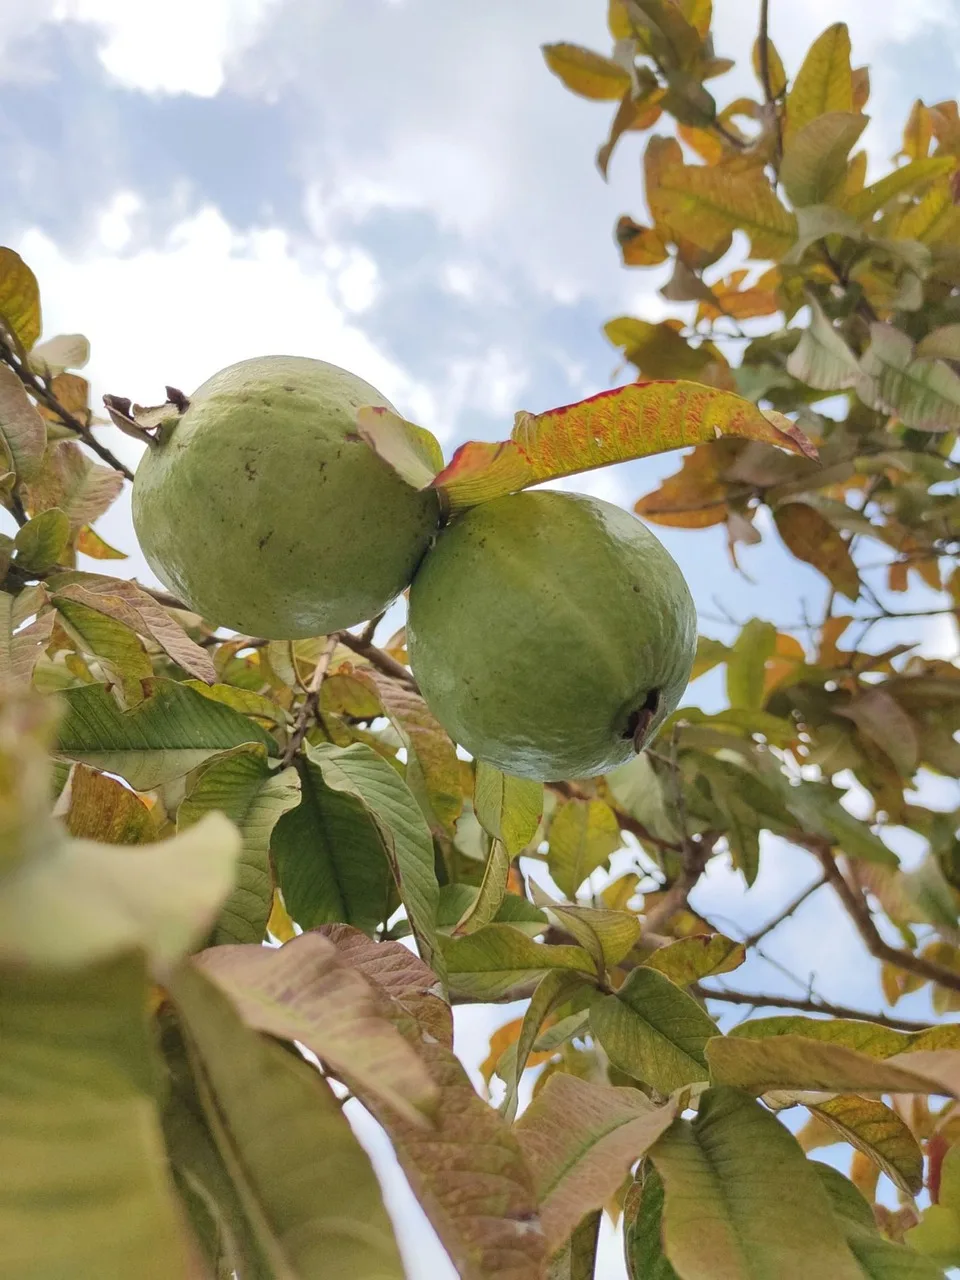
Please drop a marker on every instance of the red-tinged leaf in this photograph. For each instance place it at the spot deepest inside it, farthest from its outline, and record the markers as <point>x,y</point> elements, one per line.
<point>580,1140</point>
<point>401,974</point>
<point>629,422</point>
<point>129,604</point>
<point>812,538</point>
<point>305,992</point>
<point>881,718</point>
<point>97,807</point>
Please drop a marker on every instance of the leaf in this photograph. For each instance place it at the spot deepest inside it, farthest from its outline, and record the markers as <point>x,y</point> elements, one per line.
<point>305,992</point>
<point>65,351</point>
<point>642,1228</point>
<point>23,435</point>
<point>84,1191</point>
<point>746,663</point>
<point>494,960</point>
<point>71,481</point>
<point>42,541</point>
<point>358,771</point>
<point>173,732</point>
<point>330,859</point>
<point>410,450</point>
<point>822,358</point>
<point>19,298</point>
<point>937,1235</point>
<point>508,808</point>
<point>554,988</point>
<point>881,718</point>
<point>824,82</point>
<point>89,543</point>
<point>815,155</point>
<point>641,246</point>
<point>306,1182</point>
<point>587,73</point>
<point>241,784</point>
<point>607,935</point>
<point>879,1258</point>
<point>793,1062</point>
<point>615,426</point>
<point>821,814</point>
<point>810,537</point>
<point>580,1140</point>
<point>129,604</point>
<point>401,974</point>
<point>922,393</point>
<point>21,645</point>
<point>697,957</point>
<point>653,1031</point>
<point>583,835</point>
<point>493,887</point>
<point>909,178</point>
<point>879,1133</point>
<point>705,205</point>
<point>777,76</point>
<point>741,1198</point>
<point>83,901</point>
<point>866,1037</point>
<point>577,1259</point>
<point>101,808</point>
<point>119,653</point>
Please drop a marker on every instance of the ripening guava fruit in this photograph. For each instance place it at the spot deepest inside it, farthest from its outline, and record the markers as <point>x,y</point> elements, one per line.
<point>551,634</point>
<point>261,508</point>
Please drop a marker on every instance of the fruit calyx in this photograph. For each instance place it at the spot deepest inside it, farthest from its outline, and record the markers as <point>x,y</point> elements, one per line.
<point>641,718</point>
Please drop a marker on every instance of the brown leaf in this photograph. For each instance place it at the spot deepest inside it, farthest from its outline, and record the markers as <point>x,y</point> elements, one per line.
<point>98,807</point>
<point>70,481</point>
<point>882,719</point>
<point>810,537</point>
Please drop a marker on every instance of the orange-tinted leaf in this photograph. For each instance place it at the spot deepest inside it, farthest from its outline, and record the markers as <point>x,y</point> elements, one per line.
<point>695,497</point>
<point>829,655</point>
<point>634,113</point>
<point>615,426</point>
<point>97,807</point>
<point>586,73</point>
<point>500,1042</point>
<point>89,543</point>
<point>810,537</point>
<point>861,87</point>
<point>707,144</point>
<point>641,246</point>
<point>758,299</point>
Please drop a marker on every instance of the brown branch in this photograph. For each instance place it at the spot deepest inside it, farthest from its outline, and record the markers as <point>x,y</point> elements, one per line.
<point>695,857</point>
<point>764,53</point>
<point>756,1000</point>
<point>40,391</point>
<point>859,912</point>
<point>377,658</point>
<point>310,707</point>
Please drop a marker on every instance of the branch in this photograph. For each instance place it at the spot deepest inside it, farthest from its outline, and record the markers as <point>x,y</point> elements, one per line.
<point>788,910</point>
<point>859,912</point>
<point>377,658</point>
<point>757,1001</point>
<point>40,391</point>
<point>769,96</point>
<point>310,707</point>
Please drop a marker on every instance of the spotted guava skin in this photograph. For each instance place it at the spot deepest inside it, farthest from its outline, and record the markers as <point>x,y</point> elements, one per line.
<point>261,512</point>
<point>541,624</point>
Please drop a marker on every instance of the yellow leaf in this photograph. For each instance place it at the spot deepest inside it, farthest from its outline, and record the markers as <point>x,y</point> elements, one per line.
<point>775,72</point>
<point>634,114</point>
<point>759,299</point>
<point>706,144</point>
<point>705,205</point>
<point>615,426</point>
<point>279,924</point>
<point>586,73</point>
<point>935,219</point>
<point>19,298</point>
<point>917,133</point>
<point>909,178</point>
<point>618,19</point>
<point>98,807</point>
<point>861,87</point>
<point>89,542</point>
<point>641,246</point>
<point>500,1042</point>
<point>824,81</point>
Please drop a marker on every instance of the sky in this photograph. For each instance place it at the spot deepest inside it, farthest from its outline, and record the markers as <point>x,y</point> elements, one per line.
<point>399,187</point>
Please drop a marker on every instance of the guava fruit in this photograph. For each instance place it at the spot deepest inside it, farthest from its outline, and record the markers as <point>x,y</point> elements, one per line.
<point>551,634</point>
<point>264,511</point>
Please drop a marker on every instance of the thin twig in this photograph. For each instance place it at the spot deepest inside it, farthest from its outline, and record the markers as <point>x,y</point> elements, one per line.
<point>752,939</point>
<point>377,658</point>
<point>769,96</point>
<point>756,1000</point>
<point>310,707</point>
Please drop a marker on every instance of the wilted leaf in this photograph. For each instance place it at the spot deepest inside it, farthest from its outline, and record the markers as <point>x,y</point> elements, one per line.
<point>580,1140</point>
<point>494,960</point>
<point>358,771</point>
<point>287,1144</point>
<point>815,156</point>
<point>615,426</point>
<point>824,82</point>
<point>305,992</point>
<point>96,807</point>
<point>740,1198</point>
<point>699,956</point>
<point>410,450</point>
<point>19,298</point>
<point>810,537</point>
<point>65,351</point>
<point>587,73</point>
<point>23,435</point>
<point>653,1031</point>
<point>241,784</point>
<point>173,732</point>
<point>878,1132</point>
<point>508,808</point>
<point>71,481</point>
<point>583,835</point>
<point>89,543</point>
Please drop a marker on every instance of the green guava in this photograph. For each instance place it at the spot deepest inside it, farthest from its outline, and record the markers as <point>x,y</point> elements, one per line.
<point>551,634</point>
<point>262,509</point>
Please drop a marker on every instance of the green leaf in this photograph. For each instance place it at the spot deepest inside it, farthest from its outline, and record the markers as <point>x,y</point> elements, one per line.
<point>607,935</point>
<point>922,393</point>
<point>583,835</point>
<point>19,298</point>
<point>358,771</point>
<point>822,358</point>
<point>241,784</point>
<point>819,812</point>
<point>21,645</point>
<point>866,1037</point>
<point>937,1235</point>
<point>879,1258</point>
<point>508,808</point>
<point>746,664</point>
<point>553,989</point>
<point>85,901</point>
<point>580,1140</point>
<point>42,541</point>
<point>84,1190</point>
<point>303,991</point>
<point>117,650</point>
<point>494,960</point>
<point>173,732</point>
<point>742,1200</point>
<point>653,1031</point>
<point>909,178</point>
<point>879,1133</point>
<point>642,1228</point>
<point>23,433</point>
<point>306,1182</point>
<point>815,156</point>
<point>577,1259</point>
<point>484,908</point>
<point>329,858</point>
<point>700,956</point>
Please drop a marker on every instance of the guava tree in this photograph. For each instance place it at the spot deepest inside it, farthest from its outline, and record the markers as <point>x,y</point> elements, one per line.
<point>174,1094</point>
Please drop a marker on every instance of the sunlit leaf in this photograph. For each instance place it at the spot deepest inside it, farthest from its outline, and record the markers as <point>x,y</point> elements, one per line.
<point>587,73</point>
<point>705,205</point>
<point>607,935</point>
<point>815,156</point>
<point>412,451</point>
<point>699,956</point>
<point>493,961</point>
<point>118,650</point>
<point>909,178</point>
<point>508,808</point>
<point>19,298</point>
<point>582,835</point>
<point>877,1131</point>
<point>824,82</point>
<point>89,543</point>
<point>54,355</point>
